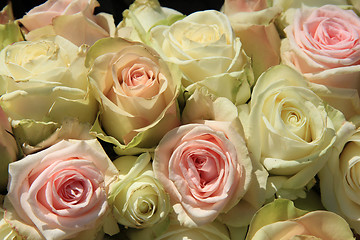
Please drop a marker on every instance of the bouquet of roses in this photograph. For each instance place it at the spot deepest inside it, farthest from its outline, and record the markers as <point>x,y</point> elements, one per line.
<point>236,123</point>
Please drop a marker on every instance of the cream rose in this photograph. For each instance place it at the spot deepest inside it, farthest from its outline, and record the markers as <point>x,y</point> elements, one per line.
<point>138,199</point>
<point>338,179</point>
<point>323,44</point>
<point>290,130</point>
<point>142,15</point>
<point>253,23</point>
<point>207,52</point>
<point>73,20</point>
<point>205,168</point>
<point>43,83</point>
<point>173,230</point>
<point>136,90</point>
<point>281,220</point>
<point>62,190</point>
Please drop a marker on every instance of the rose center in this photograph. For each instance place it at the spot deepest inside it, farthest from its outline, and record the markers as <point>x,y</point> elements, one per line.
<point>331,32</point>
<point>203,33</point>
<point>205,167</point>
<point>72,190</point>
<point>144,206</point>
<point>296,122</point>
<point>138,79</point>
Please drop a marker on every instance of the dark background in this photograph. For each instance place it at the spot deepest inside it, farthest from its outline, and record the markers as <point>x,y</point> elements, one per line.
<point>116,7</point>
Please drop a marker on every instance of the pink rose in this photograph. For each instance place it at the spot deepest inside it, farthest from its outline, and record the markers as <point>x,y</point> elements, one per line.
<point>205,168</point>
<point>62,190</point>
<point>71,19</point>
<point>323,44</point>
<point>234,6</point>
<point>43,14</point>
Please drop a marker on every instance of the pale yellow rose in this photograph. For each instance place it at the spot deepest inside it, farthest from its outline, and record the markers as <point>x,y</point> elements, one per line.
<point>136,90</point>
<point>338,179</point>
<point>138,199</point>
<point>208,53</point>
<point>172,230</point>
<point>43,83</point>
<point>141,16</point>
<point>281,220</point>
<point>290,130</point>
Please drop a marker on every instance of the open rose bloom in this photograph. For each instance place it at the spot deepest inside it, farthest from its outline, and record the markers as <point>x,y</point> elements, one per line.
<point>206,169</point>
<point>136,90</point>
<point>339,178</point>
<point>323,44</point>
<point>234,123</point>
<point>61,191</point>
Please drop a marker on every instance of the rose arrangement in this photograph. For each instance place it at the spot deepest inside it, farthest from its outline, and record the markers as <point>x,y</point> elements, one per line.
<point>236,123</point>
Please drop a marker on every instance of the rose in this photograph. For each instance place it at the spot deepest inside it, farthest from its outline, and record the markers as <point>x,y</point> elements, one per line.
<point>142,15</point>
<point>9,31</point>
<point>213,230</point>
<point>205,168</point>
<point>254,24</point>
<point>201,106</point>
<point>173,230</point>
<point>338,183</point>
<point>44,83</point>
<point>56,17</point>
<point>138,199</point>
<point>204,47</point>
<point>281,220</point>
<point>61,190</point>
<point>288,4</point>
<point>289,7</point>
<point>323,45</point>
<point>234,6</point>
<point>43,14</point>
<point>136,90</point>
<point>290,130</point>
<point>8,149</point>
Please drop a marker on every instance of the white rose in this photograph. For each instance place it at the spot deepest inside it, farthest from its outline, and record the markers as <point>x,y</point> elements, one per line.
<point>207,52</point>
<point>290,129</point>
<point>338,179</point>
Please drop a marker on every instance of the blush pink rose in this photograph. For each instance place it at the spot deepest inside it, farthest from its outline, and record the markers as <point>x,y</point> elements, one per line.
<point>234,6</point>
<point>72,19</point>
<point>137,91</point>
<point>205,168</point>
<point>62,190</point>
<point>43,14</point>
<point>324,44</point>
